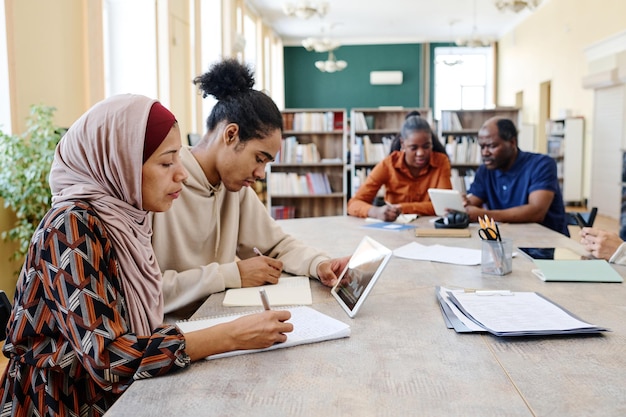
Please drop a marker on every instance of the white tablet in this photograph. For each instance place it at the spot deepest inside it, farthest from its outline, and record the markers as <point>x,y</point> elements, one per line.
<point>443,200</point>
<point>358,278</point>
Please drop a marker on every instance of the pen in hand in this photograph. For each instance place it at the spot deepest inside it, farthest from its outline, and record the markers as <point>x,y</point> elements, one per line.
<point>264,300</point>
<point>259,253</point>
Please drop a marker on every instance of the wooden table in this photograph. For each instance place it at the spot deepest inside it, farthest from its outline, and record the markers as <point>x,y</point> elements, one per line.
<point>401,360</point>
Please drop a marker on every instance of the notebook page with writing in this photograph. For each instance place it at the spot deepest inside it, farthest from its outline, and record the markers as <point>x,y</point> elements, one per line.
<point>288,292</point>
<point>309,326</point>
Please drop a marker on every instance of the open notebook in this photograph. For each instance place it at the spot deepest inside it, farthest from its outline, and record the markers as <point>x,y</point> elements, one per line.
<point>309,326</point>
<point>289,291</point>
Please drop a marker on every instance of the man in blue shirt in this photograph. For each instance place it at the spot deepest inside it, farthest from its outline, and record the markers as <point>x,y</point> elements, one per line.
<point>514,186</point>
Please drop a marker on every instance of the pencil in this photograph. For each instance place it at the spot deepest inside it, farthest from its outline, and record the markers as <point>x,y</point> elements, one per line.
<point>264,300</point>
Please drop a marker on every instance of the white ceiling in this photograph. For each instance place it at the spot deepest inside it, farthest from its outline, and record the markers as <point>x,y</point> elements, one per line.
<point>392,21</point>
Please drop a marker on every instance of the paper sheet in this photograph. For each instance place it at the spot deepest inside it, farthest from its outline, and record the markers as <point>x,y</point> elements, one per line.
<point>439,253</point>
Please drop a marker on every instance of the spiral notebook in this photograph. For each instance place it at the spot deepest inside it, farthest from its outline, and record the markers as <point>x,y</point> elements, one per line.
<point>309,326</point>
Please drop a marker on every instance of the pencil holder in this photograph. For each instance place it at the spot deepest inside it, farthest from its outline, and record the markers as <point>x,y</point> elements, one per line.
<point>497,257</point>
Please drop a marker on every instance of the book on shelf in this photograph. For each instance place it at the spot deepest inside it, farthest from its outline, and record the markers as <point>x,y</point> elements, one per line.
<point>450,121</point>
<point>463,149</point>
<point>293,152</point>
<point>292,183</point>
<point>370,152</point>
<point>309,326</point>
<point>283,212</point>
<point>462,183</point>
<point>315,121</point>
<point>359,121</point>
<point>555,147</point>
<point>360,174</point>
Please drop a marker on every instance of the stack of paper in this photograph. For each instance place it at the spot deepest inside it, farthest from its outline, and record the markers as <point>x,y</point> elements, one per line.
<point>505,313</point>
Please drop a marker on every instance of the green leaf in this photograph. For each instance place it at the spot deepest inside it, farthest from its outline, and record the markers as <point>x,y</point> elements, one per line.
<point>26,161</point>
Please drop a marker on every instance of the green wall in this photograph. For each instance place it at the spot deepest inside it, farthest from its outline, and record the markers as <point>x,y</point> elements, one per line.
<point>307,87</point>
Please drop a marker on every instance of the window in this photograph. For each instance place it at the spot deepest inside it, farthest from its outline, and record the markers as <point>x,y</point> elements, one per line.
<point>130,48</point>
<point>250,48</point>
<point>5,102</point>
<point>463,78</point>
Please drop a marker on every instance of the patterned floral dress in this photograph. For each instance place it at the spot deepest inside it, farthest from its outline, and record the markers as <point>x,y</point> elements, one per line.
<point>70,347</point>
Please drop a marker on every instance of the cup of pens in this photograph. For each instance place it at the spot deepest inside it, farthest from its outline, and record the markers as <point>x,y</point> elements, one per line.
<point>496,252</point>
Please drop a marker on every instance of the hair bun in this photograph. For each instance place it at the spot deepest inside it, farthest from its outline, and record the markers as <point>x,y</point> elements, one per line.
<point>224,79</point>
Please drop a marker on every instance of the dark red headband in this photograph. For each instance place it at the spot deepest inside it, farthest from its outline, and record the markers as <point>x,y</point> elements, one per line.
<point>160,121</point>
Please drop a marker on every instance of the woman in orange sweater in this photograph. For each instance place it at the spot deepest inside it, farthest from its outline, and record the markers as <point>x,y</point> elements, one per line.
<point>407,174</point>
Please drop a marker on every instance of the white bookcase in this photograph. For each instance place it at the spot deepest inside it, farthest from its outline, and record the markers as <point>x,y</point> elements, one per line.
<point>565,144</point>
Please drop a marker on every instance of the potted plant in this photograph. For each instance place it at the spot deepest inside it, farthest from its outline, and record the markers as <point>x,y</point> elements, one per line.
<point>26,161</point>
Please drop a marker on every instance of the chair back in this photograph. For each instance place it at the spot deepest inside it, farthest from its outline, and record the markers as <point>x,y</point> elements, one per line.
<point>5,313</point>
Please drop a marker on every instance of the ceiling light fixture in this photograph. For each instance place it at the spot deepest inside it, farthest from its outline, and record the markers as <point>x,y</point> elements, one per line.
<point>331,64</point>
<point>320,45</point>
<point>450,59</point>
<point>474,41</point>
<point>516,5</point>
<point>306,9</point>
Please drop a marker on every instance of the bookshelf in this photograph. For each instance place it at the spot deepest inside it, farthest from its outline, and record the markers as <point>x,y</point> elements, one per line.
<point>564,138</point>
<point>308,178</point>
<point>458,130</point>
<point>371,133</point>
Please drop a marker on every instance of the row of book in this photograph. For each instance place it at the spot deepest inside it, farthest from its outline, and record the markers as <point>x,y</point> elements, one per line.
<point>291,183</point>
<point>360,122</point>
<point>463,149</point>
<point>462,183</point>
<point>360,174</point>
<point>366,151</point>
<point>313,121</point>
<point>450,121</point>
<point>556,146</point>
<point>294,152</point>
<point>283,212</point>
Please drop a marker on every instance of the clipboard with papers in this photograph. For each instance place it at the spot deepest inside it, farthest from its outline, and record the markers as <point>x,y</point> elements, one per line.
<point>507,313</point>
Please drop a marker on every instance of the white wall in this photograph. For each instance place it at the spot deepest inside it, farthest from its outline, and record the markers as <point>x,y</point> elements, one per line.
<point>550,46</point>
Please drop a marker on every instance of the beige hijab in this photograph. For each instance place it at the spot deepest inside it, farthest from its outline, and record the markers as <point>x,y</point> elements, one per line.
<point>99,160</point>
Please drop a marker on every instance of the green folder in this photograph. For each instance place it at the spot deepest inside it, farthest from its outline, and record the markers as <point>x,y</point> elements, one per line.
<point>576,270</point>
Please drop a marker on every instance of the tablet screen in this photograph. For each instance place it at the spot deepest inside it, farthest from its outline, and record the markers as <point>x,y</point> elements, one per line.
<point>444,200</point>
<point>552,253</point>
<point>360,275</point>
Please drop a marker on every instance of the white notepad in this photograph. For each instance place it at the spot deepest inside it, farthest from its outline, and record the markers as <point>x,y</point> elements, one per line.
<point>309,326</point>
<point>289,291</point>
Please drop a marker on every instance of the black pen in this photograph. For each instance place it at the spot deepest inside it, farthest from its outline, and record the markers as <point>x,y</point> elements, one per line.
<point>498,232</point>
<point>264,300</point>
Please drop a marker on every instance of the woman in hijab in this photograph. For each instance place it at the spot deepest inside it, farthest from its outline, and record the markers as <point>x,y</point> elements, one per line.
<point>87,317</point>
